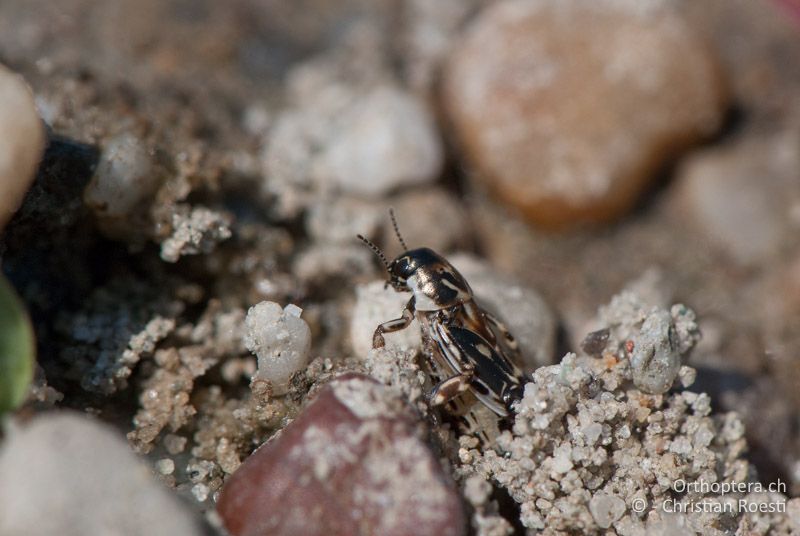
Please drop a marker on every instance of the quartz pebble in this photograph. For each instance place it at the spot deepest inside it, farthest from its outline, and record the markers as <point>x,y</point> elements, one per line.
<point>124,178</point>
<point>69,475</point>
<point>350,463</point>
<point>22,139</point>
<point>656,360</point>
<point>165,466</point>
<point>388,140</point>
<point>350,128</point>
<point>340,219</point>
<point>566,109</point>
<point>280,339</point>
<point>606,508</point>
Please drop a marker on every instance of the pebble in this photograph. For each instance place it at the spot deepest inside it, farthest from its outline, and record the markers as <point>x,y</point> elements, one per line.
<point>567,109</point>
<point>67,474</point>
<point>740,196</point>
<point>350,128</point>
<point>350,463</point>
<point>340,219</point>
<point>388,139</point>
<point>280,339</point>
<point>656,360</point>
<point>759,58</point>
<point>22,139</point>
<point>165,466</point>
<point>606,508</point>
<point>595,342</point>
<point>124,178</point>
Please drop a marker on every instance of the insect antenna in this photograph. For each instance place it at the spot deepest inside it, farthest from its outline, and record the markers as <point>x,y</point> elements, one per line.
<point>397,230</point>
<point>375,249</point>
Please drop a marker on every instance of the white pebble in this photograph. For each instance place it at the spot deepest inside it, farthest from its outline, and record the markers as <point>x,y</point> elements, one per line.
<point>338,220</point>
<point>124,177</point>
<point>70,475</point>
<point>165,466</point>
<point>562,461</point>
<point>606,508</point>
<point>21,142</point>
<point>656,359</point>
<point>200,492</point>
<point>280,339</point>
<point>389,140</point>
<point>687,376</point>
<point>293,310</point>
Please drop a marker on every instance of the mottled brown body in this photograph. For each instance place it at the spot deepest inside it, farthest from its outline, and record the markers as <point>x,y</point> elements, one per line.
<point>470,354</point>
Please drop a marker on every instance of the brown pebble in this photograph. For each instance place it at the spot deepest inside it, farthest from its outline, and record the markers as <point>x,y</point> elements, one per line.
<point>568,109</point>
<point>595,342</point>
<point>351,463</point>
<point>22,137</point>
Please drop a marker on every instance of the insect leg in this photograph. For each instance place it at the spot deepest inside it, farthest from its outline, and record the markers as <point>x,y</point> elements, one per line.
<point>448,389</point>
<point>393,325</point>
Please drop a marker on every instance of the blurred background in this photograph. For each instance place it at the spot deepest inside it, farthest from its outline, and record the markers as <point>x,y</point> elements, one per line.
<point>204,156</point>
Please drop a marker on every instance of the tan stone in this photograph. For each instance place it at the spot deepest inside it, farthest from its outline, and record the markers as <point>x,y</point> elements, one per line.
<point>21,142</point>
<point>567,109</point>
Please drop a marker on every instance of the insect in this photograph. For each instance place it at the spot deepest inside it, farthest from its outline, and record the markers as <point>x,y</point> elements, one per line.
<point>468,349</point>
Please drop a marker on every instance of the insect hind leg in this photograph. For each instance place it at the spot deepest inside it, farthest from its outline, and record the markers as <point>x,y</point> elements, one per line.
<point>393,325</point>
<point>450,388</point>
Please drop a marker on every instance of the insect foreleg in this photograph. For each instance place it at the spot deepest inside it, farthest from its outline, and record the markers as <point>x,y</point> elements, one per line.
<point>393,325</point>
<point>450,388</point>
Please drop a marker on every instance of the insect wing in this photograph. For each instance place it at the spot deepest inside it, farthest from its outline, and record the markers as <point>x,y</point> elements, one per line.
<point>464,348</point>
<point>508,345</point>
<point>477,320</point>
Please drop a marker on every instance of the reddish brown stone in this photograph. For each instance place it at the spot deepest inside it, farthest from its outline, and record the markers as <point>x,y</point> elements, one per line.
<point>350,464</point>
<point>567,109</point>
